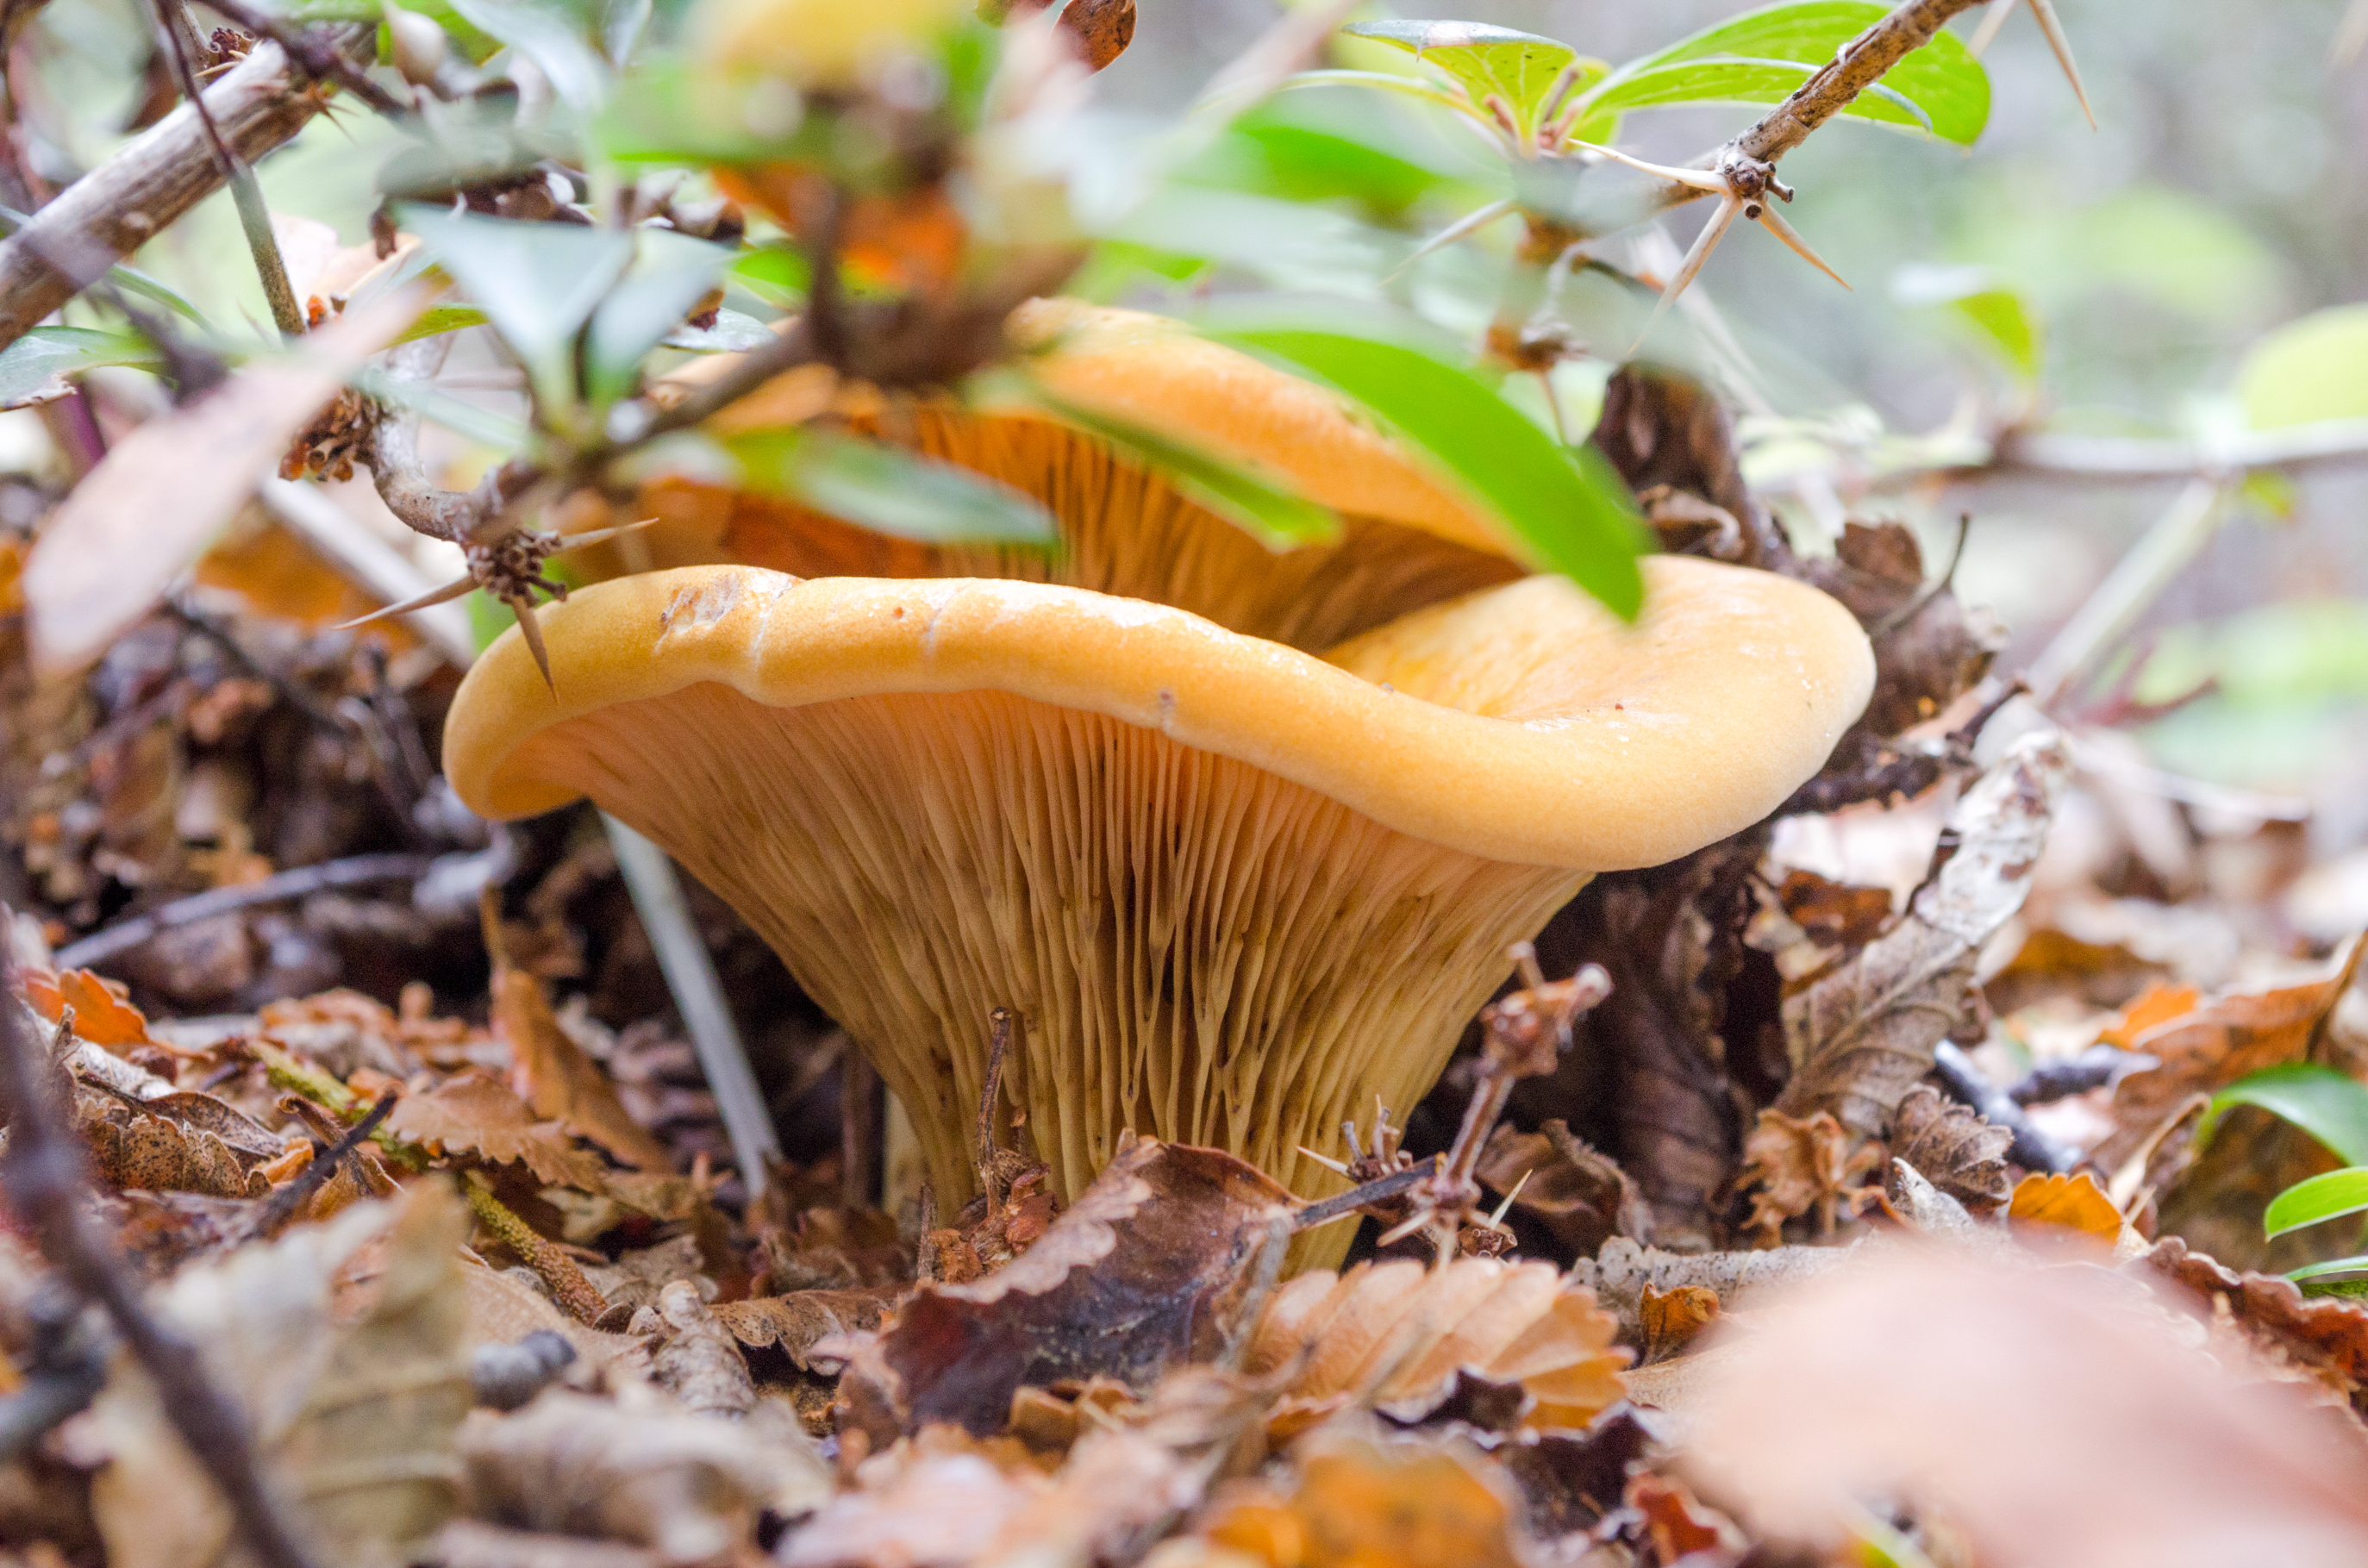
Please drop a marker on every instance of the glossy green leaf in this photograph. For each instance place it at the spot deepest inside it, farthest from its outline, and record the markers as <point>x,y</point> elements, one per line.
<point>890,491</point>
<point>1567,509</point>
<point>1940,87</point>
<point>2340,1276</point>
<point>2330,1106</point>
<point>1275,515</point>
<point>436,319</point>
<point>1485,61</point>
<point>2003,319</point>
<point>537,282</point>
<point>34,368</point>
<point>778,275</point>
<point>2313,1202</point>
<point>2308,370</point>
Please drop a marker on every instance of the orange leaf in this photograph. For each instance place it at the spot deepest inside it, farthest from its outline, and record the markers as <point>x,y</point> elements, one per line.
<point>101,1014</point>
<point>2160,1004</point>
<point>2072,1202</point>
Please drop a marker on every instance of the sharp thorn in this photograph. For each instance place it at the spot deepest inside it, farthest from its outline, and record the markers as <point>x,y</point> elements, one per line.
<point>1791,237</point>
<point>1992,21</point>
<point>1699,179</point>
<point>1496,1221</point>
<point>597,536</point>
<point>1704,243</point>
<point>1327,1161</point>
<point>427,600</point>
<point>1469,224</point>
<point>2049,23</point>
<point>531,630</point>
<point>1403,1228</point>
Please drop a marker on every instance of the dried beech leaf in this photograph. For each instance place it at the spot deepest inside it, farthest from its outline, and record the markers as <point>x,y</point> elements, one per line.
<point>799,1321</point>
<point>1681,1528</point>
<point>2157,1006</point>
<point>699,1363</point>
<point>1150,1269</point>
<point>2068,1203</point>
<point>102,1014</point>
<point>475,1113</point>
<point>1924,660</point>
<point>562,1082</point>
<point>1864,1034</point>
<point>1623,1271</point>
<point>1671,1319</point>
<point>2205,1049</point>
<point>1398,1505</point>
<point>1952,1147</point>
<point>133,1150</point>
<point>640,1273</point>
<point>1396,1334</point>
<point>1834,915</point>
<point>2327,1336</point>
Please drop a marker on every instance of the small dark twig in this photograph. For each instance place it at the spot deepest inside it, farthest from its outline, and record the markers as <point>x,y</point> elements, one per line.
<point>43,1173</point>
<point>1886,771</point>
<point>358,870</point>
<point>288,1201</point>
<point>2093,1069</point>
<point>1378,1190</point>
<point>1968,1084</point>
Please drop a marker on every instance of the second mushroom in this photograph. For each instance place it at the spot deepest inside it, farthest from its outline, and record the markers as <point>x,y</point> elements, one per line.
<point>1233,892</point>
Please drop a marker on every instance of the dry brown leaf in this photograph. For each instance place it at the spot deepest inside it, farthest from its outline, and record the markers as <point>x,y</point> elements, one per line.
<point>640,1469</point>
<point>103,1015</point>
<point>2050,1415</point>
<point>1794,1167</point>
<point>560,1081</point>
<point>801,1320</point>
<point>1951,1146</point>
<point>1681,1528</point>
<point>1834,915</point>
<point>468,1543</point>
<point>1365,1504</point>
<point>355,1422</point>
<point>1580,1194</point>
<point>2157,1006</point>
<point>640,1273</point>
<point>1671,1319</point>
<point>502,1309</point>
<point>475,1113</point>
<point>699,1362</point>
<point>2325,1336</point>
<point>1623,1271</point>
<point>141,517</point>
<point>1862,1034</point>
<point>1396,1334</point>
<point>2206,1050</point>
<point>1151,1268</point>
<point>2066,1202</point>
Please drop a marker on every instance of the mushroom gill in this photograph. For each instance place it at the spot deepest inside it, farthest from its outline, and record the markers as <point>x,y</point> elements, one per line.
<point>1405,540</point>
<point>1233,892</point>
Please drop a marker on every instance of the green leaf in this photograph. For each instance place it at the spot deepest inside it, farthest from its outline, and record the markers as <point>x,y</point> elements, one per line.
<point>892,491</point>
<point>436,319</point>
<point>537,282</point>
<point>2003,320</point>
<point>2328,1105</point>
<point>1521,68</point>
<point>1276,516</point>
<point>1420,88</point>
<point>2340,1276</point>
<point>550,38</point>
<point>1567,509</point>
<point>2312,1202</point>
<point>476,422</point>
<point>34,367</point>
<point>670,274</point>
<point>2308,370</point>
<point>778,275</point>
<point>666,112</point>
<point>1762,56</point>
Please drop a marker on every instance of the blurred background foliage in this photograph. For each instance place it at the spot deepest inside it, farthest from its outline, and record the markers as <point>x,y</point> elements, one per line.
<point>2151,276</point>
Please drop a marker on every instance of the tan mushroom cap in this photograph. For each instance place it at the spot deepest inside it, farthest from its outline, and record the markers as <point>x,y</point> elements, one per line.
<point>1407,539</point>
<point>1234,891</point>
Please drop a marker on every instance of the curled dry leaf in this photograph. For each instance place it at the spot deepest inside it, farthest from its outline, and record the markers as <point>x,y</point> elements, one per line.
<point>475,1113</point>
<point>560,1081</point>
<point>1579,1193</point>
<point>1397,1333</point>
<point>355,1420</point>
<point>638,1469</point>
<point>153,1154</point>
<point>1153,1268</point>
<point>1928,649</point>
<point>2051,1416</point>
<point>1794,1167</point>
<point>1864,1034</point>
<point>802,1318</point>
<point>103,1015</point>
<point>1951,1147</point>
<point>2325,1336</point>
<point>1679,1527</point>
<point>1355,1504</point>
<point>1570,1480</point>
<point>699,1362</point>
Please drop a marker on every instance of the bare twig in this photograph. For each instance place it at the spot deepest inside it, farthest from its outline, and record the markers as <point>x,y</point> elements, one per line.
<point>358,870</point>
<point>1357,1199</point>
<point>2115,457</point>
<point>43,1172</point>
<point>2032,1149</point>
<point>391,453</point>
<point>146,187</point>
<point>175,38</point>
<point>2134,582</point>
<point>285,1204</point>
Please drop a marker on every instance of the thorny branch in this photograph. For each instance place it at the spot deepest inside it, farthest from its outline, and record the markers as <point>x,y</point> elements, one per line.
<point>314,51</point>
<point>43,1174</point>
<point>147,186</point>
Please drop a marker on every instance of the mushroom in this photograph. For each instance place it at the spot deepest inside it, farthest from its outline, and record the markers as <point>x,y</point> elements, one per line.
<point>1235,891</point>
<point>1407,539</point>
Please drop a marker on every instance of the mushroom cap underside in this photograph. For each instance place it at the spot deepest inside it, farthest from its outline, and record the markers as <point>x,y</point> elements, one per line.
<point>1522,723</point>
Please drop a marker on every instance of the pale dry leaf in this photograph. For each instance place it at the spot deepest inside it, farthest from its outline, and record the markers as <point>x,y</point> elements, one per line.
<point>1951,1147</point>
<point>801,1320</point>
<point>1623,1271</point>
<point>2052,1415</point>
<point>640,1273</point>
<point>142,515</point>
<point>699,1362</point>
<point>1796,1165</point>
<point>1862,1034</point>
<point>1396,1334</point>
